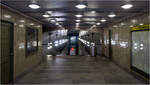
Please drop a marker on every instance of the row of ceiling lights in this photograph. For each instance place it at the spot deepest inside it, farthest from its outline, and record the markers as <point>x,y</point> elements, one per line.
<point>20,22</point>
<point>125,6</point>
<point>112,14</point>
<point>34,5</point>
<point>47,15</point>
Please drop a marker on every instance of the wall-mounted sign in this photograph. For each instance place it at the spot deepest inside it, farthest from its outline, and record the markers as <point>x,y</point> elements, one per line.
<point>140,27</point>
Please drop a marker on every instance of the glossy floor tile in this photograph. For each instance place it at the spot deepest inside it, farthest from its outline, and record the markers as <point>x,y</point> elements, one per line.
<point>78,70</point>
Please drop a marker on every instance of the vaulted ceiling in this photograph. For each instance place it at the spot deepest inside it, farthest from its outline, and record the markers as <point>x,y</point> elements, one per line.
<point>64,11</point>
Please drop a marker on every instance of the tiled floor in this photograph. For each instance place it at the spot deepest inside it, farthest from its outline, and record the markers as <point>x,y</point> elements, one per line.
<point>78,70</point>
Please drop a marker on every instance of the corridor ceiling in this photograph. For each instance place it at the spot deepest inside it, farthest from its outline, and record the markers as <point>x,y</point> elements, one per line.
<point>64,11</point>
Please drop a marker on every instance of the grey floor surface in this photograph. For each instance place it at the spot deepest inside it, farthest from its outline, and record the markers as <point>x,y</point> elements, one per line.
<point>78,70</point>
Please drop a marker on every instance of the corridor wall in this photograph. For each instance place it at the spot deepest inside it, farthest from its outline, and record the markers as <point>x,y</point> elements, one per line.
<point>22,63</point>
<point>121,39</point>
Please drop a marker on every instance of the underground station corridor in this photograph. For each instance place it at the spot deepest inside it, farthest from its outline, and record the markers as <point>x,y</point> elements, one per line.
<point>75,42</point>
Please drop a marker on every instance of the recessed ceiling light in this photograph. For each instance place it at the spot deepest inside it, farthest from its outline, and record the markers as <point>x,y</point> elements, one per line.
<point>50,12</point>
<point>134,21</point>
<point>103,20</point>
<point>21,25</point>
<point>81,6</point>
<point>141,24</point>
<point>127,6</point>
<point>53,20</point>
<point>57,23</point>
<point>15,24</point>
<point>131,25</point>
<point>111,15</point>
<point>31,23</point>
<point>115,26</point>
<point>98,23</point>
<point>78,20</point>
<point>7,16</point>
<point>77,25</point>
<point>93,12</point>
<point>56,45</point>
<point>94,25</point>
<point>60,26</point>
<point>122,23</point>
<point>22,21</point>
<point>34,6</point>
<point>46,15</point>
<point>38,26</point>
<point>79,15</point>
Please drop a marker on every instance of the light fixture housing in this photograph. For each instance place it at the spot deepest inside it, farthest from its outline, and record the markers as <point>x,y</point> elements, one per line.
<point>34,6</point>
<point>79,15</point>
<point>112,15</point>
<point>81,6</point>
<point>103,20</point>
<point>127,6</point>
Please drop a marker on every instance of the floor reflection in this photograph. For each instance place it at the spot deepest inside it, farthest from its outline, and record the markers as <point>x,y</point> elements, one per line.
<point>78,70</point>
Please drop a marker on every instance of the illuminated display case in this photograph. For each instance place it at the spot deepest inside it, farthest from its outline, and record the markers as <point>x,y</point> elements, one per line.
<point>140,50</point>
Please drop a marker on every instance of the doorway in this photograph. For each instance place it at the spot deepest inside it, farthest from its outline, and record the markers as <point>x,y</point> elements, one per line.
<point>110,46</point>
<point>6,52</point>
